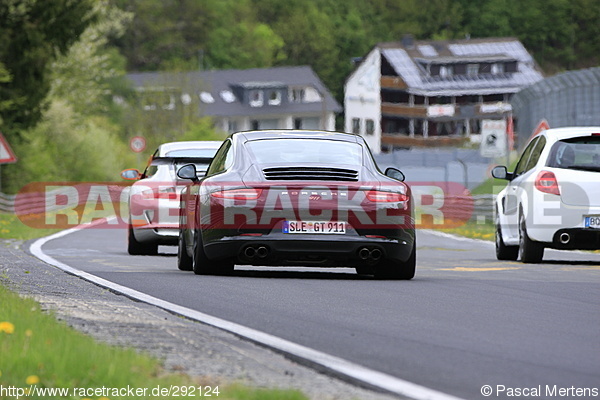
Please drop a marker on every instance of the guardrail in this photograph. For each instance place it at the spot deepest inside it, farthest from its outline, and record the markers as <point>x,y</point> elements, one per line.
<point>7,203</point>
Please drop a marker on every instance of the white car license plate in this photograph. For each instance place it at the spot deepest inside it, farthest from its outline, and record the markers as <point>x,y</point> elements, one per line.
<point>319,227</point>
<point>592,221</point>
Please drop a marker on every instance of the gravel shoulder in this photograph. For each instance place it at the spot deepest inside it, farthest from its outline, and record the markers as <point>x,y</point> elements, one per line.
<point>183,345</point>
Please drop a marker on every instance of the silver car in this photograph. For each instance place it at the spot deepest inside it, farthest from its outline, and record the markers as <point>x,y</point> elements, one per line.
<point>154,197</point>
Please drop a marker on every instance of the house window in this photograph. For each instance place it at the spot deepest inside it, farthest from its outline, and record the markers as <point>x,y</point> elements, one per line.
<point>256,98</point>
<point>296,95</point>
<point>206,97</point>
<point>297,123</point>
<point>232,126</point>
<point>355,125</point>
<point>227,96</point>
<point>275,98</point>
<point>370,127</point>
<point>497,68</point>
<point>186,99</point>
<point>472,69</point>
<point>170,105</point>
<point>446,71</point>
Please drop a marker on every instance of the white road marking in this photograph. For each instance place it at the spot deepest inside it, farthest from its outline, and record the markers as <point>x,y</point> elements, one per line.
<point>321,360</point>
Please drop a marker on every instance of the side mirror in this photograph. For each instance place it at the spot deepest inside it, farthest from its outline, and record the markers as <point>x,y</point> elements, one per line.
<point>500,172</point>
<point>131,174</point>
<point>395,174</point>
<point>188,171</point>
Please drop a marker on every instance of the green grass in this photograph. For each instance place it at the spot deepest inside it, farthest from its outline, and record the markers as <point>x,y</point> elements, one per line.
<point>42,348</point>
<point>473,230</point>
<point>11,227</point>
<point>35,348</point>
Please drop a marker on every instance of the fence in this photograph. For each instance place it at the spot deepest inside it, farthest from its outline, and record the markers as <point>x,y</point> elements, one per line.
<point>464,166</point>
<point>571,98</point>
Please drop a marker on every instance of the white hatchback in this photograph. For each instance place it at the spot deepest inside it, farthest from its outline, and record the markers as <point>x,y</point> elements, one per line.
<point>154,197</point>
<point>552,199</point>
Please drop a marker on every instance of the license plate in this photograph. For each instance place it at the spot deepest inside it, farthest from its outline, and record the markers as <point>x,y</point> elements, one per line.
<point>592,221</point>
<point>318,227</point>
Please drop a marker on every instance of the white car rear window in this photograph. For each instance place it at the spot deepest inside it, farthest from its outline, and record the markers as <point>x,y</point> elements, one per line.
<point>582,153</point>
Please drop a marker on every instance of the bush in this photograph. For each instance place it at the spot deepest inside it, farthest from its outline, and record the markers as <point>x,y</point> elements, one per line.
<point>67,147</point>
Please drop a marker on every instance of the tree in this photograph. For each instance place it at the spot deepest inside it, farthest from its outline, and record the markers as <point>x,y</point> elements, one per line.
<point>83,75</point>
<point>4,78</point>
<point>32,34</point>
<point>167,33</point>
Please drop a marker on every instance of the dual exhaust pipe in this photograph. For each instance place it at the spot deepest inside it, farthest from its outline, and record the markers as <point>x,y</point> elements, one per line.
<point>262,252</point>
<point>367,254</point>
<point>258,251</point>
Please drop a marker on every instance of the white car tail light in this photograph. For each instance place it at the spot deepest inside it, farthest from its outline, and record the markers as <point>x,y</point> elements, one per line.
<point>546,182</point>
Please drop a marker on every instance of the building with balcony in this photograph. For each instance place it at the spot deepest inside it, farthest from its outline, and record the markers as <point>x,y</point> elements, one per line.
<point>434,93</point>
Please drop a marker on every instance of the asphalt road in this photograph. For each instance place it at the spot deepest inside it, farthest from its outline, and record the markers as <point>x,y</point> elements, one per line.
<point>465,321</point>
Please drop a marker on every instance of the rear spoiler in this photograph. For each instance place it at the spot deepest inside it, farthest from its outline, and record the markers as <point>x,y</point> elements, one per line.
<point>181,160</point>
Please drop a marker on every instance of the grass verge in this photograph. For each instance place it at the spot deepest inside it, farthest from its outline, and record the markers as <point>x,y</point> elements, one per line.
<point>39,351</point>
<point>11,227</point>
<point>473,230</point>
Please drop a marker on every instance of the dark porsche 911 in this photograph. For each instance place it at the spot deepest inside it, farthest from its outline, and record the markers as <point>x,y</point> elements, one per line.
<point>308,198</point>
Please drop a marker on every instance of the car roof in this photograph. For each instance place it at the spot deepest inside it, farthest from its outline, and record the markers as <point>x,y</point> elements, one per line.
<point>297,134</point>
<point>199,144</point>
<point>570,132</point>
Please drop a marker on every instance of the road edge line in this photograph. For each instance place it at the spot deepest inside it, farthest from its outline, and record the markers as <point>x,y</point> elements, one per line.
<point>326,362</point>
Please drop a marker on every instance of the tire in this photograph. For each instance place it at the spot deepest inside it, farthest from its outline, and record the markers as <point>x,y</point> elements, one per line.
<point>202,265</point>
<point>136,248</point>
<point>504,252</point>
<point>184,261</point>
<point>529,251</point>
<point>398,270</point>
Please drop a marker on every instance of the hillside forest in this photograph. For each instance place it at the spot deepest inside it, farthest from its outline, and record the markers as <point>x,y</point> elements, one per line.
<point>62,62</point>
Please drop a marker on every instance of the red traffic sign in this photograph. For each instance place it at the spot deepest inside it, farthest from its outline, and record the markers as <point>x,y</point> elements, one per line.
<point>6,154</point>
<point>542,126</point>
<point>137,144</point>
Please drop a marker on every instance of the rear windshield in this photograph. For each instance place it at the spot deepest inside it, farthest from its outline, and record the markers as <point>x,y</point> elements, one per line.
<point>582,153</point>
<point>189,153</point>
<point>300,151</point>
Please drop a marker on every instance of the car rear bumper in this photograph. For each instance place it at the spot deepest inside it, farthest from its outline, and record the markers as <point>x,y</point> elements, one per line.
<point>577,239</point>
<point>314,250</point>
<point>548,225</point>
<point>157,234</point>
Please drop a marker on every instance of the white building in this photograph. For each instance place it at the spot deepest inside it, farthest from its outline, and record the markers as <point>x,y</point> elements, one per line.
<point>434,93</point>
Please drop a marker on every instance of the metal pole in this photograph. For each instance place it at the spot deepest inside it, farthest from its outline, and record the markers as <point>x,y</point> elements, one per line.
<point>465,172</point>
<point>506,118</point>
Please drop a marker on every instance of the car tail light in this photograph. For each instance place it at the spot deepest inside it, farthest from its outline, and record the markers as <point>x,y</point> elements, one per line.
<point>385,197</point>
<point>168,193</point>
<point>546,182</point>
<point>595,134</point>
<point>238,194</point>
